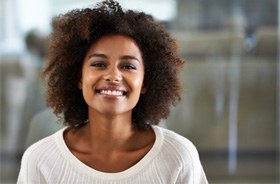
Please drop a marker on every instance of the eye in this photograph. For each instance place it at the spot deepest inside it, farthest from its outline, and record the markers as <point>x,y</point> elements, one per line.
<point>98,64</point>
<point>129,67</point>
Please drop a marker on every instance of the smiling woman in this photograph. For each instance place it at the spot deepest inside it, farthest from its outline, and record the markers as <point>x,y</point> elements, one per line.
<point>113,75</point>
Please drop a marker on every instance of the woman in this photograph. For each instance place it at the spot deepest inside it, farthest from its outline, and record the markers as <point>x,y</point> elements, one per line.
<point>112,75</point>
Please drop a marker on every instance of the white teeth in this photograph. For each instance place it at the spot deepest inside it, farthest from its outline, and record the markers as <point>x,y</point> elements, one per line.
<point>109,92</point>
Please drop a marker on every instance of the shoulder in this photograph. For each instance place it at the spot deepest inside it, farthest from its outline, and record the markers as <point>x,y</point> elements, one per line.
<point>181,154</point>
<point>176,141</point>
<point>38,158</point>
<point>40,149</point>
<point>178,149</point>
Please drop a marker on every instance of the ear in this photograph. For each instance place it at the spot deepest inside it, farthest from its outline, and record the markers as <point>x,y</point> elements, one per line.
<point>144,89</point>
<point>80,85</point>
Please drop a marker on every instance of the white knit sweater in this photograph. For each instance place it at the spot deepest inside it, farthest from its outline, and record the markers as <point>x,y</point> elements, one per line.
<point>172,159</point>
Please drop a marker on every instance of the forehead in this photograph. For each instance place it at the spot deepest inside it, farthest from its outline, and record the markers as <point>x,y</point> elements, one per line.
<point>116,42</point>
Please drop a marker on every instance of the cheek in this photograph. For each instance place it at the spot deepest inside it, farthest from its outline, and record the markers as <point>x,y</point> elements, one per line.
<point>87,76</point>
<point>87,81</point>
<point>138,82</point>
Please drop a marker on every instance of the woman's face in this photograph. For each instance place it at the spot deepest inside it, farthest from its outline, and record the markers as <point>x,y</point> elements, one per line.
<point>112,75</point>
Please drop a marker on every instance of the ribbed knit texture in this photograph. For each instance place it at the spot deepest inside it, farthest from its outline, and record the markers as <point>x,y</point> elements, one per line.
<point>172,159</point>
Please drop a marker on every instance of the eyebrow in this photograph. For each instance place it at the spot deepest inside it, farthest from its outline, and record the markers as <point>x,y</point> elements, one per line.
<point>97,55</point>
<point>125,57</point>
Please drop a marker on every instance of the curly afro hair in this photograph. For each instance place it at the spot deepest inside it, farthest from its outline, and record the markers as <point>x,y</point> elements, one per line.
<point>74,33</point>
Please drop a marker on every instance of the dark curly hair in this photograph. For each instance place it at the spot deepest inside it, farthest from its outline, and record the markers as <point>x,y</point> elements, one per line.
<point>74,33</point>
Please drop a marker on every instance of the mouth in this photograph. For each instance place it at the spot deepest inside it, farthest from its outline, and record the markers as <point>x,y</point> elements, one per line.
<point>111,92</point>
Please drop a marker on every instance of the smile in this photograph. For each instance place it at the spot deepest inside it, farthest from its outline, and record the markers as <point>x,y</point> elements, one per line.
<point>111,92</point>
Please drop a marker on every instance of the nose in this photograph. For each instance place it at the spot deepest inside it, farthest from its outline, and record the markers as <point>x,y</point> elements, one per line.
<point>113,75</point>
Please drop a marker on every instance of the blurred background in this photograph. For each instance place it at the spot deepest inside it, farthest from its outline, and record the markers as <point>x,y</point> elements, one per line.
<point>231,103</point>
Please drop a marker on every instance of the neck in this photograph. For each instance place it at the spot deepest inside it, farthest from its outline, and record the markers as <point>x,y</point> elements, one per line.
<point>113,131</point>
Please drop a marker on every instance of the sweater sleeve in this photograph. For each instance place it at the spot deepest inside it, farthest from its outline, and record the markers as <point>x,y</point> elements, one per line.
<point>22,177</point>
<point>29,171</point>
<point>25,173</point>
<point>192,171</point>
